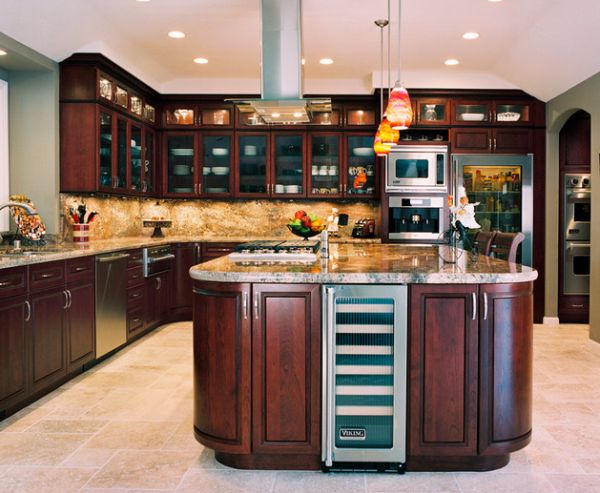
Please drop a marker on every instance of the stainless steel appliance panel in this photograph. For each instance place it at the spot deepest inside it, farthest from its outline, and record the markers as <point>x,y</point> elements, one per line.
<point>157,259</point>
<point>411,169</point>
<point>578,207</point>
<point>576,274</point>
<point>364,374</point>
<point>416,218</point>
<point>111,302</point>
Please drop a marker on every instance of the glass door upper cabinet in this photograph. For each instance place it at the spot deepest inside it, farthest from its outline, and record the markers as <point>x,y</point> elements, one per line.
<point>135,152</point>
<point>106,150</point>
<point>149,183</point>
<point>360,166</point>
<point>289,164</point>
<point>253,164</point>
<point>122,153</point>
<point>324,165</point>
<point>472,112</point>
<point>218,117</point>
<point>515,113</point>
<point>121,97</point>
<point>180,164</point>
<point>433,112</point>
<point>356,117</point>
<point>105,87</point>
<point>216,164</point>
<point>180,116</point>
<point>327,117</point>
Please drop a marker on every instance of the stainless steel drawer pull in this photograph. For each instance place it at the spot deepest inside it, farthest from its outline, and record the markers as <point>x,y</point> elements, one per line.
<point>81,269</point>
<point>3,284</point>
<point>70,298</point>
<point>28,307</point>
<point>485,306</point>
<point>158,283</point>
<point>136,295</point>
<point>256,305</point>
<point>47,276</point>
<point>474,301</point>
<point>245,305</point>
<point>66,305</point>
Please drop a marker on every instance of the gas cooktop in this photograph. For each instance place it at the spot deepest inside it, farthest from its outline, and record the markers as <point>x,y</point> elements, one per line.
<point>277,250</point>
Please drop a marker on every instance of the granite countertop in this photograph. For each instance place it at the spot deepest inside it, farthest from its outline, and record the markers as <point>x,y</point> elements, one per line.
<point>351,263</point>
<point>65,251</point>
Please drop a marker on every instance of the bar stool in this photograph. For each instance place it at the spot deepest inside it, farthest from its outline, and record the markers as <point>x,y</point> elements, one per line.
<point>483,241</point>
<point>505,246</point>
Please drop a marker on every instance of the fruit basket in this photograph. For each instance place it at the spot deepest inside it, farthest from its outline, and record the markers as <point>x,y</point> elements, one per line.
<point>305,225</point>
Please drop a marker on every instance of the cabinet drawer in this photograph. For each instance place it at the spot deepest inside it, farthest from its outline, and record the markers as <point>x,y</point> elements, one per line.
<point>135,321</point>
<point>48,275</point>
<point>215,250</point>
<point>135,276</point>
<point>81,269</point>
<point>135,258</point>
<point>135,296</point>
<point>13,281</point>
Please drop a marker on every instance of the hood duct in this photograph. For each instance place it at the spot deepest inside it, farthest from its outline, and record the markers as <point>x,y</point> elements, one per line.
<point>281,68</point>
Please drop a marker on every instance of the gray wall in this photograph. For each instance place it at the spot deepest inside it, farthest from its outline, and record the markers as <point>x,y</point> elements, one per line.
<point>558,110</point>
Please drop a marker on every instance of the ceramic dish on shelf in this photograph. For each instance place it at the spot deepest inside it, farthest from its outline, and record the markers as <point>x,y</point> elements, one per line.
<point>207,170</point>
<point>182,152</point>
<point>216,190</point>
<point>183,190</point>
<point>220,151</point>
<point>472,117</point>
<point>220,170</point>
<point>181,169</point>
<point>363,151</point>
<point>508,116</point>
<point>250,150</point>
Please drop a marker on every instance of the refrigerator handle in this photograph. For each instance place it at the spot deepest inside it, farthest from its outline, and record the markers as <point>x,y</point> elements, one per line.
<point>329,375</point>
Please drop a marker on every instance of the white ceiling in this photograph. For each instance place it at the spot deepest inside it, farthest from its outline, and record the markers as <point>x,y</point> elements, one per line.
<point>541,46</point>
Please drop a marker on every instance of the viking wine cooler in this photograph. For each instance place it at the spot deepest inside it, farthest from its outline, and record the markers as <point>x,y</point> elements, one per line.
<point>364,377</point>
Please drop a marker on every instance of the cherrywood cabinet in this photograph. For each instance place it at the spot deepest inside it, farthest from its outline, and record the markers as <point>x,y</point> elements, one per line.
<point>186,256</point>
<point>262,407</point>
<point>486,140</point>
<point>157,299</point>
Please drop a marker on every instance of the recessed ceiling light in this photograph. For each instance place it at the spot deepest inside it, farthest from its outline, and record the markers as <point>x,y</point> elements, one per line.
<point>471,35</point>
<point>143,1</point>
<point>325,61</point>
<point>452,61</point>
<point>176,34</point>
<point>200,60</point>
<point>2,52</point>
<point>494,1</point>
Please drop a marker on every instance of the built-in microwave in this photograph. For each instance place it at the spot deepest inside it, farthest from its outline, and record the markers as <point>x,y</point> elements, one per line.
<point>415,168</point>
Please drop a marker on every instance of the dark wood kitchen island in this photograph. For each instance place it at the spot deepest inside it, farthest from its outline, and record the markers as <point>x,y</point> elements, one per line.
<point>258,356</point>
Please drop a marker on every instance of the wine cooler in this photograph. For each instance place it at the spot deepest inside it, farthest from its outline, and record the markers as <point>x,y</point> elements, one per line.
<point>364,377</point>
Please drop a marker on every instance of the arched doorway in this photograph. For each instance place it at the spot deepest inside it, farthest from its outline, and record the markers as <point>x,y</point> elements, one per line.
<point>574,219</point>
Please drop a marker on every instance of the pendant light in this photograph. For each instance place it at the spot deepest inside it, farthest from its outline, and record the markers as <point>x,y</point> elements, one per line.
<point>382,144</point>
<point>399,109</point>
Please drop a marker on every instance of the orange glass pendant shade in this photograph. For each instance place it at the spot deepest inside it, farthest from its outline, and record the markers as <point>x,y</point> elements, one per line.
<point>379,147</point>
<point>399,110</point>
<point>387,133</point>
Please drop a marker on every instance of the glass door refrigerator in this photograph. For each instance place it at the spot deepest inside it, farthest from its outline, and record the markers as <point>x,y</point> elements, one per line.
<point>502,184</point>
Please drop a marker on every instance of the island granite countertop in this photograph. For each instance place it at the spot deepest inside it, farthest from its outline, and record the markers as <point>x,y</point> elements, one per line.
<point>352,263</point>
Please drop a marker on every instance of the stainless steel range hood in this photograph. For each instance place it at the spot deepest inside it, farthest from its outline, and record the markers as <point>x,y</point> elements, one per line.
<point>281,68</point>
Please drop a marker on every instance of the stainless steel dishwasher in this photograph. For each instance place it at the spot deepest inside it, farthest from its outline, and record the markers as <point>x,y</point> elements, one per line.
<point>111,302</point>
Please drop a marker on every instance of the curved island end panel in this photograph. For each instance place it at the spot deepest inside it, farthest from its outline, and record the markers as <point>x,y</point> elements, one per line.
<point>258,343</point>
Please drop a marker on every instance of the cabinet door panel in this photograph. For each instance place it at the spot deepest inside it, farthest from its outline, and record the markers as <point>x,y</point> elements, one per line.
<point>81,326</point>
<point>506,345</point>
<point>48,343</point>
<point>185,257</point>
<point>286,369</point>
<point>471,140</point>
<point>13,351</point>
<point>443,371</point>
<point>513,140</point>
<point>222,340</point>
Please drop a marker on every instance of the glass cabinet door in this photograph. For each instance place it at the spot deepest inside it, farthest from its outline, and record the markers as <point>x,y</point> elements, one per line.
<point>106,151</point>
<point>516,113</point>
<point>216,164</point>
<point>360,166</point>
<point>180,164</point>
<point>252,162</point>
<point>433,112</point>
<point>135,149</point>
<point>149,163</point>
<point>474,112</point>
<point>122,148</point>
<point>288,165</point>
<point>324,165</point>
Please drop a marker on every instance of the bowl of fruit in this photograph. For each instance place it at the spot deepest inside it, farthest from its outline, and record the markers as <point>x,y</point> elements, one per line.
<point>305,225</point>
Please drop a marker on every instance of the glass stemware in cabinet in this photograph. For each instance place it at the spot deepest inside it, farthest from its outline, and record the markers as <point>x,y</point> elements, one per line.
<point>252,162</point>
<point>136,158</point>
<point>106,178</point>
<point>180,164</point>
<point>360,175</point>
<point>324,170</point>
<point>289,169</point>
<point>216,164</point>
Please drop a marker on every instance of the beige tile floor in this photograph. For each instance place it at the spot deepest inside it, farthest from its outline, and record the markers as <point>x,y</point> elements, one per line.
<point>125,426</point>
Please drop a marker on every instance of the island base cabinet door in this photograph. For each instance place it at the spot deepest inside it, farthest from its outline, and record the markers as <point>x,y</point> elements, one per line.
<point>443,335</point>
<point>222,350</point>
<point>48,321</point>
<point>506,371</point>
<point>13,352</point>
<point>286,390</point>
<point>81,326</point>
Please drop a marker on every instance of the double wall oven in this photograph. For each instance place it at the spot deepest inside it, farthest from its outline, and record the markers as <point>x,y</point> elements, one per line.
<point>416,184</point>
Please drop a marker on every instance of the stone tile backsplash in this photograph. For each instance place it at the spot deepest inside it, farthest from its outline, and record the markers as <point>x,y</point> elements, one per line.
<point>122,217</point>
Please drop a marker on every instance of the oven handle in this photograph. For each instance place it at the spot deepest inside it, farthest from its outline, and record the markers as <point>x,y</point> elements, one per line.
<point>579,197</point>
<point>571,249</point>
<point>152,260</point>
